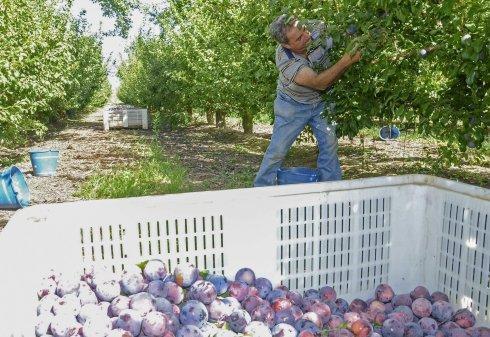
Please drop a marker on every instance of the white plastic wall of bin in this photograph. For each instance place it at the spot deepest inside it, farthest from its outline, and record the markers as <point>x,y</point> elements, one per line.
<point>125,118</point>
<point>405,231</point>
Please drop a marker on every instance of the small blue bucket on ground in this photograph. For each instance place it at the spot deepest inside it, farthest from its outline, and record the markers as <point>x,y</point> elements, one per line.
<point>389,132</point>
<point>44,162</point>
<point>297,175</point>
<point>14,192</point>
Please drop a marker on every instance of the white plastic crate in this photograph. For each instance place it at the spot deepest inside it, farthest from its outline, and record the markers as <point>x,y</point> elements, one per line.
<point>353,235</point>
<point>125,117</point>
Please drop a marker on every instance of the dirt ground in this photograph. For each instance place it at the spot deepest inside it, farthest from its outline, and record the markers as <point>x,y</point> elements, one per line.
<point>213,158</point>
<point>85,148</point>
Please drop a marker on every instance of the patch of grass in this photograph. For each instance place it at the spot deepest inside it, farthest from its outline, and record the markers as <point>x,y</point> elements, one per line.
<point>227,180</point>
<point>156,174</point>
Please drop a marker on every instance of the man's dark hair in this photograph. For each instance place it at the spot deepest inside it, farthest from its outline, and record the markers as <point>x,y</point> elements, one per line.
<point>280,26</point>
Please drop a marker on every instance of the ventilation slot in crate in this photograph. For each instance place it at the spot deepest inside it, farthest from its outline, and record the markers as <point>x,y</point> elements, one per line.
<point>374,242</point>
<point>104,243</point>
<point>465,251</point>
<point>315,246</point>
<point>198,241</point>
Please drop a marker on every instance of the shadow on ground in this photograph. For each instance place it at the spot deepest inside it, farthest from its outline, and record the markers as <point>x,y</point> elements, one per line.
<point>227,158</point>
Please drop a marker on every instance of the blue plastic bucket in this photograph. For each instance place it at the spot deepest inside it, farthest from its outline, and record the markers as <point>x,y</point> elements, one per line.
<point>389,132</point>
<point>14,192</point>
<point>297,175</point>
<point>44,162</point>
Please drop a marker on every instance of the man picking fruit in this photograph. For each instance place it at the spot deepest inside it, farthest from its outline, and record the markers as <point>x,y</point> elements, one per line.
<point>305,73</point>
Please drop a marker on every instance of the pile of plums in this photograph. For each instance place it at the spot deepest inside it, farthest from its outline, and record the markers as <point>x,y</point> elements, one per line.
<point>148,301</point>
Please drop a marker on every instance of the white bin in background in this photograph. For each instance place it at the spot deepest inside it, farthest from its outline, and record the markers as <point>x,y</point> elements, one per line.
<point>404,230</point>
<point>126,117</point>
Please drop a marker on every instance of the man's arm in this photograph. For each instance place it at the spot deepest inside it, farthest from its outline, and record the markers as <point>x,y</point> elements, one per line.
<point>321,81</point>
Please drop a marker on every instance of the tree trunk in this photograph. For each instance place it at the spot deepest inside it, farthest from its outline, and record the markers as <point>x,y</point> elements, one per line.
<point>220,119</point>
<point>210,117</point>
<point>189,113</point>
<point>247,123</point>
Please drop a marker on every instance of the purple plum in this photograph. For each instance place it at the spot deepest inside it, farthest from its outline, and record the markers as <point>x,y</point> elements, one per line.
<point>64,326</point>
<point>251,302</point>
<point>245,275</point>
<point>97,326</point>
<point>322,310</point>
<point>328,293</point>
<point>335,321</point>
<point>238,290</point>
<point>220,283</point>
<point>264,286</point>
<point>132,282</point>
<point>164,306</point>
<point>263,313</point>
<point>384,293</point>
<point>280,304</point>
<point>428,325</point>
<point>85,294</point>
<point>362,328</point>
<point>130,320</point>
<point>155,270</point>
<point>219,310</point>
<point>189,331</point>
<point>67,285</point>
<point>68,304</point>
<point>358,305</point>
<point>257,329</point>
<point>119,333</point>
<point>89,310</point>
<point>173,292</point>
<point>422,307</point>
<point>413,330</point>
<point>276,293</point>
<point>173,323</point>
<point>402,299</point>
<point>312,293</point>
<point>295,297</point>
<point>238,320</point>
<point>439,296</point>
<point>107,290</point>
<point>406,312</point>
<point>185,274</point>
<point>194,313</point>
<point>232,303</point>
<point>442,311</point>
<point>119,304</point>
<point>142,302</point>
<point>203,291</point>
<point>283,330</point>
<point>209,330</point>
<point>419,292</point>
<point>393,328</point>
<point>46,303</point>
<point>464,318</point>
<point>342,305</point>
<point>154,324</point>
<point>308,302</point>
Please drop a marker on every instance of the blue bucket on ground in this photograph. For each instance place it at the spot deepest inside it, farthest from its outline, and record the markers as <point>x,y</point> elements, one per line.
<point>297,175</point>
<point>14,192</point>
<point>389,132</point>
<point>44,162</point>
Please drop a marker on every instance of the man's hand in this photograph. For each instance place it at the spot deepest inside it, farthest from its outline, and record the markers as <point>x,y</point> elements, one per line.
<point>356,57</point>
<point>351,59</point>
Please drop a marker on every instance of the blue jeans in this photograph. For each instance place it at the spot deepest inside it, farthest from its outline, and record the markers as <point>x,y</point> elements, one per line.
<point>291,117</point>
